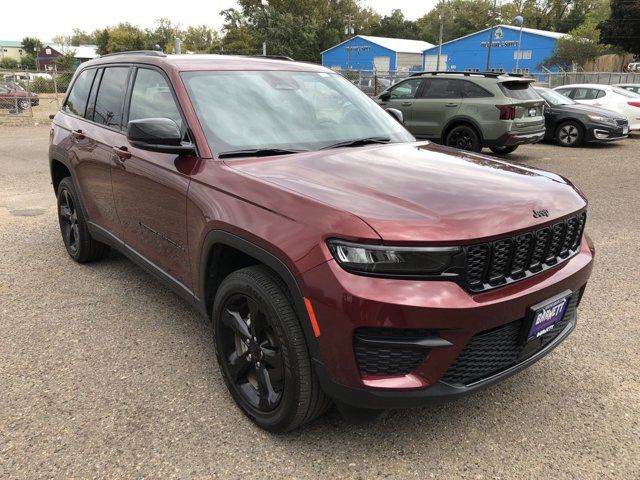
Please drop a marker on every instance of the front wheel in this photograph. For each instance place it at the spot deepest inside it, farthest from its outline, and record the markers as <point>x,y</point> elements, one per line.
<point>464,137</point>
<point>24,104</point>
<point>262,353</point>
<point>569,134</point>
<point>504,150</point>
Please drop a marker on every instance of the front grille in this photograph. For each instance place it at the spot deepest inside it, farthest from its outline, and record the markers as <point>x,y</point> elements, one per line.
<point>622,122</point>
<point>387,359</point>
<point>506,260</point>
<point>493,351</point>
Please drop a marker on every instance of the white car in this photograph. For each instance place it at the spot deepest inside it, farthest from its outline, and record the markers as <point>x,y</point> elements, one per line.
<point>632,87</point>
<point>613,98</point>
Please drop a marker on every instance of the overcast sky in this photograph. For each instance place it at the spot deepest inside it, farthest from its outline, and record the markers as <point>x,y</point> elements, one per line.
<point>44,20</point>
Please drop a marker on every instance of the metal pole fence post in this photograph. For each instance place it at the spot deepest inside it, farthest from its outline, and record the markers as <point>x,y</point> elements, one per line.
<point>55,87</point>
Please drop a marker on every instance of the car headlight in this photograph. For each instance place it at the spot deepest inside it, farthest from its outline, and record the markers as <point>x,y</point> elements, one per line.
<point>601,119</point>
<point>389,260</point>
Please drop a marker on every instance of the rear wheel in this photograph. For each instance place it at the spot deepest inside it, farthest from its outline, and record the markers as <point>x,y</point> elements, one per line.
<point>80,245</point>
<point>262,353</point>
<point>504,150</point>
<point>569,134</point>
<point>24,104</point>
<point>464,137</point>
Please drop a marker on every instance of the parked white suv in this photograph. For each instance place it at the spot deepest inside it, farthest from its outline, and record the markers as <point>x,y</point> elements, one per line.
<point>609,97</point>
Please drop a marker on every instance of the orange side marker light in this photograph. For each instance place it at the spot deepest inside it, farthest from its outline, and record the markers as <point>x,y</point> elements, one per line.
<point>312,316</point>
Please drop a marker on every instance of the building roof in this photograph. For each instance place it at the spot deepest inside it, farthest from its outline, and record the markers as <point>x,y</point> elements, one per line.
<point>533,31</point>
<point>11,43</point>
<point>399,45</point>
<point>82,51</point>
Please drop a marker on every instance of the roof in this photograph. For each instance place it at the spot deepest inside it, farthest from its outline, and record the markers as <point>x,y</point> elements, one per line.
<point>532,31</point>
<point>399,45</point>
<point>81,51</point>
<point>586,85</point>
<point>11,43</point>
<point>209,62</point>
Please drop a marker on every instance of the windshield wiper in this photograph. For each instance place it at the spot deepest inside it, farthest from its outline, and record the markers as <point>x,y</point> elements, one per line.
<point>358,142</point>
<point>258,152</point>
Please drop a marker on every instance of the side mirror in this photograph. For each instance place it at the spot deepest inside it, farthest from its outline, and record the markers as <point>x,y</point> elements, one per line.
<point>157,135</point>
<point>385,96</point>
<point>396,114</point>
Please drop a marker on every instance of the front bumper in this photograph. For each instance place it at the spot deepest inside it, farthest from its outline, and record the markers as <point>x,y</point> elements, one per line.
<point>603,133</point>
<point>344,302</point>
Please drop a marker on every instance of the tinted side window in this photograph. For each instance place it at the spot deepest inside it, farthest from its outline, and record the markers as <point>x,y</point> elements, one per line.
<point>566,92</point>
<point>152,98</point>
<point>406,89</point>
<point>110,98</point>
<point>77,101</point>
<point>442,88</point>
<point>600,94</point>
<point>471,90</point>
<point>91,105</point>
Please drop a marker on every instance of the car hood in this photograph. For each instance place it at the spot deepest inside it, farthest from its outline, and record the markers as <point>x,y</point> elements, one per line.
<point>422,192</point>
<point>589,110</point>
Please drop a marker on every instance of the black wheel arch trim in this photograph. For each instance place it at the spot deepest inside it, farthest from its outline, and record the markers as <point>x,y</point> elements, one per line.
<point>216,237</point>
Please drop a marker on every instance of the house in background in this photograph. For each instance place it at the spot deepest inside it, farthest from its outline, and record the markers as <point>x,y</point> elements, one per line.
<point>50,52</point>
<point>469,53</point>
<point>12,49</point>
<point>382,54</point>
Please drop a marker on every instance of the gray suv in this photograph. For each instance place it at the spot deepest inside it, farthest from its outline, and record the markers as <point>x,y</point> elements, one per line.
<point>468,110</point>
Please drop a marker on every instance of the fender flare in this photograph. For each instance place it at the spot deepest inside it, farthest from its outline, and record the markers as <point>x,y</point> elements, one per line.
<point>215,237</point>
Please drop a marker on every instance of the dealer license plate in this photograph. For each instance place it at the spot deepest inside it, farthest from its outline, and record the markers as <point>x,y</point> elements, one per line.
<point>533,112</point>
<point>546,317</point>
<point>625,130</point>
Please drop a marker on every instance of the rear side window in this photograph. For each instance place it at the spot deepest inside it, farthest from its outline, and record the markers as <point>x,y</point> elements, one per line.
<point>110,98</point>
<point>588,93</point>
<point>442,88</point>
<point>471,90</point>
<point>519,90</point>
<point>152,98</point>
<point>77,100</point>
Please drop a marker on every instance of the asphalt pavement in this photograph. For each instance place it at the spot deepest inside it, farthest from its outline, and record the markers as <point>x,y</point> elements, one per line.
<point>105,373</point>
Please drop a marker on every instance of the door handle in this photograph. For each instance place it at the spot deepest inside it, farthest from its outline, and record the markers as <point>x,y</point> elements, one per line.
<point>451,105</point>
<point>77,134</point>
<point>407,104</point>
<point>122,153</point>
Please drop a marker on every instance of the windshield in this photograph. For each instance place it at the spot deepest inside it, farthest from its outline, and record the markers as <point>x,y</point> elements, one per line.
<point>285,110</point>
<point>554,98</point>
<point>625,93</point>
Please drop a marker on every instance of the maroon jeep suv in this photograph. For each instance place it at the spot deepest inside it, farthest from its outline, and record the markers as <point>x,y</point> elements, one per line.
<point>339,259</point>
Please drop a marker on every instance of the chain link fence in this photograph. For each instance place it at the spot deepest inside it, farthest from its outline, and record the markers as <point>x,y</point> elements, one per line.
<point>373,82</point>
<point>30,95</point>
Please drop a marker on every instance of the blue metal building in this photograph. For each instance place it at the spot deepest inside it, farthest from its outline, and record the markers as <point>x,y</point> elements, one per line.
<point>469,53</point>
<point>383,54</point>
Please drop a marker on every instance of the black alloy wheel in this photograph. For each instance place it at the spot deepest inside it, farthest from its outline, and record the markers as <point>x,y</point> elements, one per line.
<point>80,245</point>
<point>69,222</point>
<point>251,352</point>
<point>464,137</point>
<point>505,150</point>
<point>24,104</point>
<point>262,352</point>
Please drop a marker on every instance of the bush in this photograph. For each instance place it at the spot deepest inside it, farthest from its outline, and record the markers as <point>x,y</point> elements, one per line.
<point>8,63</point>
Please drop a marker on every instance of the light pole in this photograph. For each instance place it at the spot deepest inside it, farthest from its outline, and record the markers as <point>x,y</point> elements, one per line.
<point>441,19</point>
<point>519,20</point>
<point>492,24</point>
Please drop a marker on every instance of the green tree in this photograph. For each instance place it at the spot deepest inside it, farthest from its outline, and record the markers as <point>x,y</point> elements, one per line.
<point>31,46</point>
<point>163,35</point>
<point>200,39</point>
<point>9,63</point>
<point>461,17</point>
<point>80,37</point>
<point>622,28</point>
<point>66,62</point>
<point>121,38</point>
<point>396,26</point>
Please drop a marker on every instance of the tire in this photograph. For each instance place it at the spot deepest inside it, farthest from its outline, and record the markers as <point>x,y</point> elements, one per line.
<point>569,134</point>
<point>80,245</point>
<point>504,150</point>
<point>265,363</point>
<point>24,104</point>
<point>464,137</point>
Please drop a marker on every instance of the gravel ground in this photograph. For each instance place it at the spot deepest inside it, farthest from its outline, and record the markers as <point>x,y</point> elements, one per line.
<point>105,373</point>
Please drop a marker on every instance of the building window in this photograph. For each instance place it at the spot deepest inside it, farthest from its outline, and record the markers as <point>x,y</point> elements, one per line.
<point>48,51</point>
<point>522,55</point>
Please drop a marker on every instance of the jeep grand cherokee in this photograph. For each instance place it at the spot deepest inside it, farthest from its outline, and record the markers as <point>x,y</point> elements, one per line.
<point>339,259</point>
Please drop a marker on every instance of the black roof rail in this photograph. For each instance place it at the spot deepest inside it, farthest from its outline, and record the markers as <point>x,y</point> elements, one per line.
<point>466,74</point>
<point>275,57</point>
<point>151,53</point>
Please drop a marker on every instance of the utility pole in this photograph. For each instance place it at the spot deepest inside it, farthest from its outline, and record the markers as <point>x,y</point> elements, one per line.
<point>491,25</point>
<point>441,19</point>
<point>348,30</point>
<point>519,21</point>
